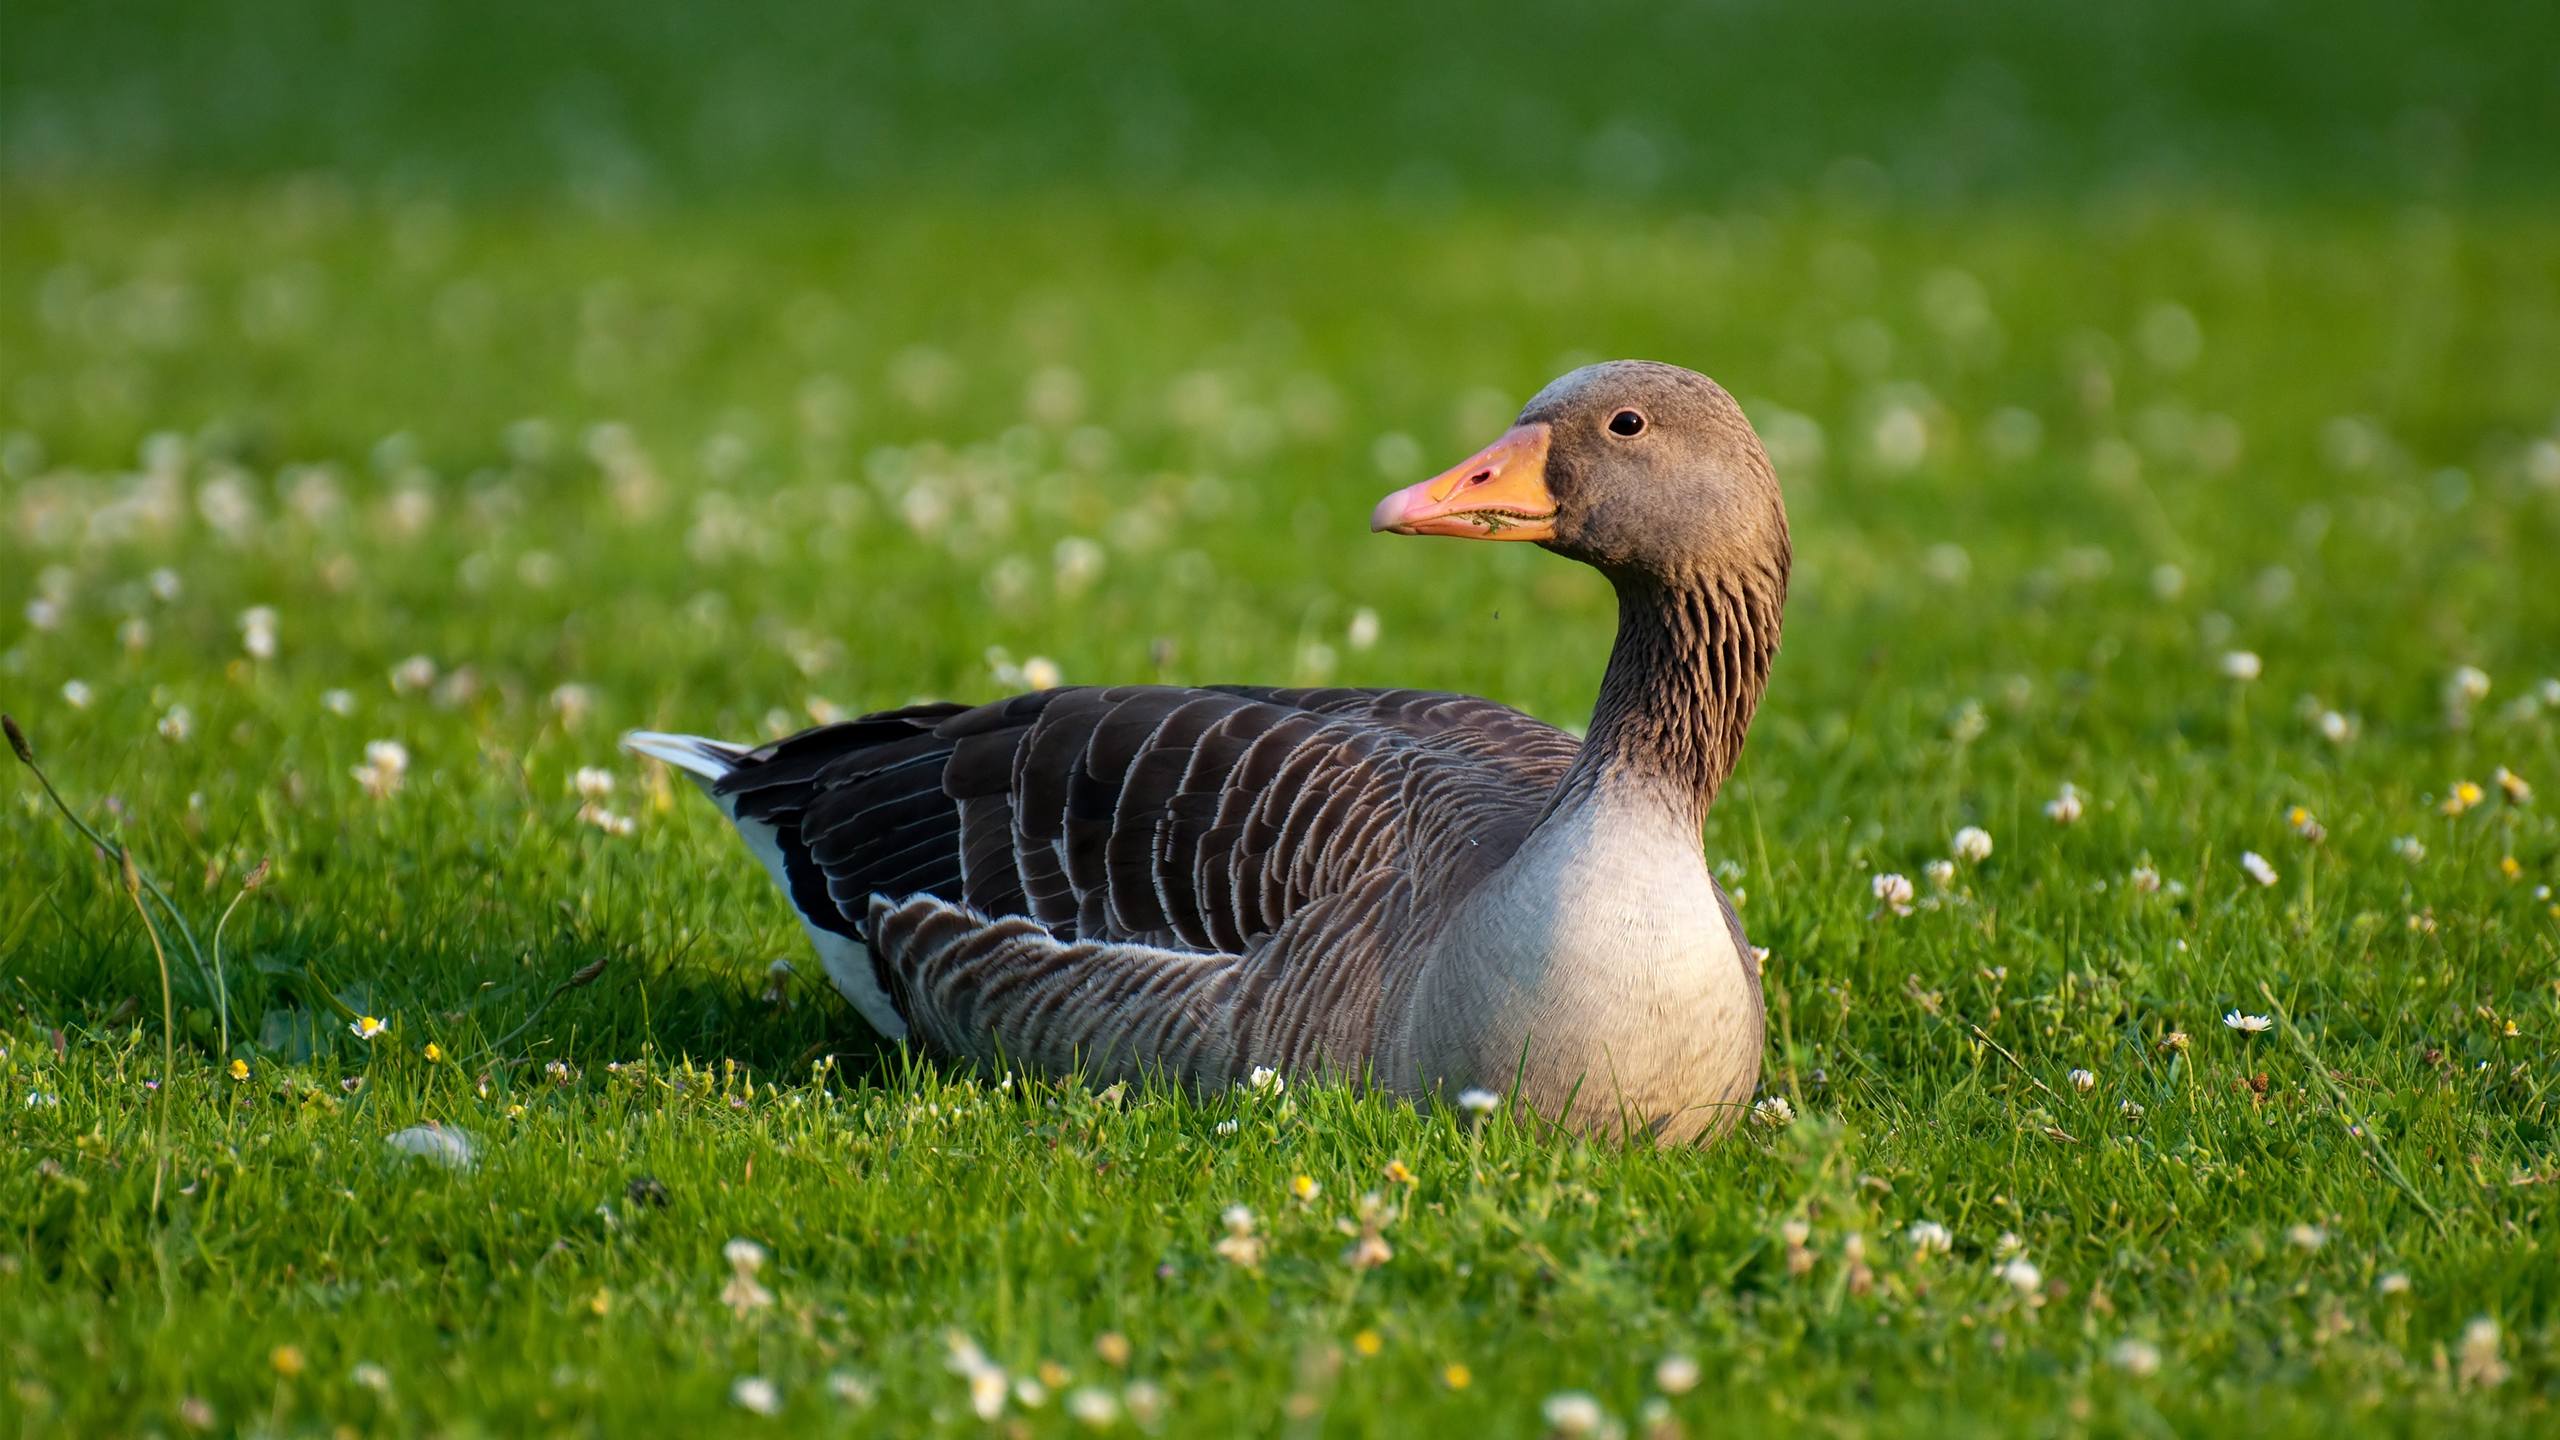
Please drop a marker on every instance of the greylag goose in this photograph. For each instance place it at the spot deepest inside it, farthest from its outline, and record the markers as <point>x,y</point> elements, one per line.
<point>1425,892</point>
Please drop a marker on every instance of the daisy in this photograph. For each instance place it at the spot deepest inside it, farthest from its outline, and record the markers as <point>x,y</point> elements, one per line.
<point>1479,1103</point>
<point>2306,825</point>
<point>2257,866</point>
<point>2248,1024</point>
<point>366,1027</point>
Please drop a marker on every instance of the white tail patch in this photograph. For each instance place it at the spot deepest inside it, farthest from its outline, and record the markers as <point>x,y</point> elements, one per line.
<point>847,960</point>
<point>705,760</point>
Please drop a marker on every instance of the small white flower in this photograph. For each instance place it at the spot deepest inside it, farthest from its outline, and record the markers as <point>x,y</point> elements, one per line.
<point>2395,1282</point>
<point>258,632</point>
<point>2248,1024</point>
<point>1928,1237</point>
<point>1263,1077</point>
<point>2144,880</point>
<point>2241,665</point>
<point>756,1394</point>
<point>415,673</point>
<point>1226,1127</point>
<point>1941,873</point>
<point>76,694</point>
<point>178,725</point>
<point>1364,628</point>
<point>2021,1275</point>
<point>744,1256</point>
<point>1774,1112</point>
<point>2306,1237</point>
<point>2064,808</point>
<point>2335,728</point>
<point>2135,1357</point>
<point>2257,866</point>
<point>2131,1110</point>
<point>366,1027</point>
<point>606,820</point>
<point>340,703</point>
<point>1042,673</point>
<point>1092,1408</point>
<point>371,1377</point>
<point>134,635</point>
<point>1973,845</point>
<point>2083,1081</point>
<point>43,614</point>
<point>2409,848</point>
<point>1893,892</point>
<point>592,783</point>
<point>571,701</point>
<point>1675,1375</point>
<point>165,585</point>
<point>1574,1413</point>
<point>1479,1102</point>
<point>2469,684</point>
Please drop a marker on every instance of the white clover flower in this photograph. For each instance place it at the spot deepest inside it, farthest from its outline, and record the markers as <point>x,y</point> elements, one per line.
<point>2064,808</point>
<point>2248,1024</point>
<point>2083,1081</point>
<point>1092,1408</point>
<point>756,1395</point>
<point>2257,866</point>
<point>178,725</point>
<point>2335,728</point>
<point>1941,874</point>
<point>2394,1282</point>
<point>2241,665</point>
<point>415,673</point>
<point>2306,1237</point>
<point>1263,1077</point>
<point>371,1376</point>
<point>1675,1375</point>
<point>1479,1102</point>
<point>2144,880</point>
<point>43,614</point>
<point>1574,1413</point>
<point>1972,845</point>
<point>76,694</point>
<point>592,783</point>
<point>341,703</point>
<point>1364,628</point>
<point>571,701</point>
<point>258,632</point>
<point>166,587</point>
<point>1928,1237</point>
<point>2468,684</point>
<point>1774,1112</point>
<point>2021,1275</point>
<point>1893,893</point>
<point>2135,1357</point>
<point>744,1256</point>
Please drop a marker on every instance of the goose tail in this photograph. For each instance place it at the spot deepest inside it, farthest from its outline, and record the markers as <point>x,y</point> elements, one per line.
<point>707,761</point>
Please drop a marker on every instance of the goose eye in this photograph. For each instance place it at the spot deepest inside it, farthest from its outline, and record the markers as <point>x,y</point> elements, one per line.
<point>1626,422</point>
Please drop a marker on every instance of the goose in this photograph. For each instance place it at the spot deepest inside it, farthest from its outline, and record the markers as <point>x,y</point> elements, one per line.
<point>1424,893</point>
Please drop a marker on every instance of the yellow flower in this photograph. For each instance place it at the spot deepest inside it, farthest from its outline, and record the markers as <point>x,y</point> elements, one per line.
<point>1368,1342</point>
<point>1305,1187</point>
<point>600,1303</point>
<point>2465,794</point>
<point>2517,791</point>
<point>287,1359</point>
<point>238,1069</point>
<point>1054,1375</point>
<point>1398,1174</point>
<point>1457,1377</point>
<point>2508,866</point>
<point>434,1053</point>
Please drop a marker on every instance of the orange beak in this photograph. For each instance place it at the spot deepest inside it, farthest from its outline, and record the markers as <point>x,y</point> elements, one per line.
<point>1498,493</point>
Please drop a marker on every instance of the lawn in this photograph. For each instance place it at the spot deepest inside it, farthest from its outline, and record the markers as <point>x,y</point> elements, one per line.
<point>2148,518</point>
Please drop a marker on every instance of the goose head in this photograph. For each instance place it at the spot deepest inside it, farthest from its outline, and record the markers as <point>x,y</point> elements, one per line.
<point>1645,471</point>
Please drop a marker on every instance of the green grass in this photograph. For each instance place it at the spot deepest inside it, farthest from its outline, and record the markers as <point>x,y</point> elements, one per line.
<point>725,446</point>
